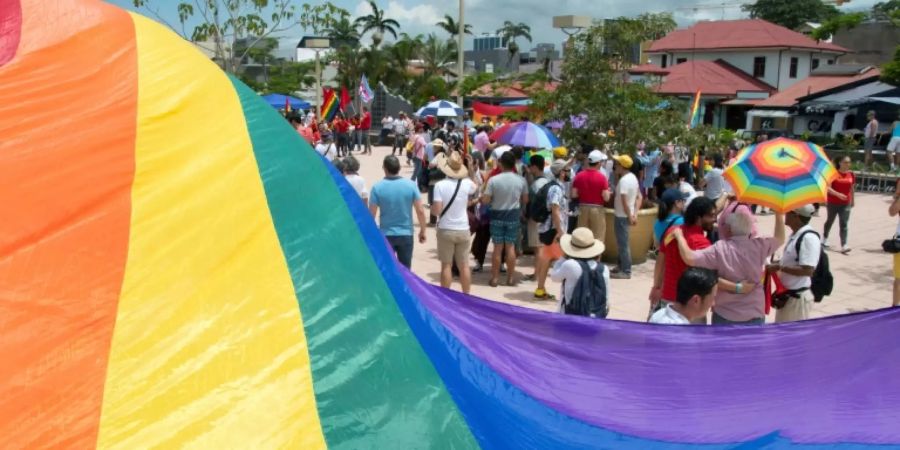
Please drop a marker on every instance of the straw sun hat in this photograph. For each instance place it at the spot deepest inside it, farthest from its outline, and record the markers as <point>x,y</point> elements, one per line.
<point>581,244</point>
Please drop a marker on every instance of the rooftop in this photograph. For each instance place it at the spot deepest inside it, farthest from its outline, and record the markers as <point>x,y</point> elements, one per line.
<point>738,34</point>
<point>813,84</point>
<point>711,78</point>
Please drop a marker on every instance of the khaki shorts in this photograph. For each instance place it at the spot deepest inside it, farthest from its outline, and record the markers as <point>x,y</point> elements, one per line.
<point>594,218</point>
<point>453,245</point>
<point>796,308</point>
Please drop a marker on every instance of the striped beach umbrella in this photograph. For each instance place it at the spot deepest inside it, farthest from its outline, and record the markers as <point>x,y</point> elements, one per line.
<point>440,108</point>
<point>526,134</point>
<point>781,174</point>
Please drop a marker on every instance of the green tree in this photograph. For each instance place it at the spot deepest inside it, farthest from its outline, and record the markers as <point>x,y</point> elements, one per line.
<point>512,31</point>
<point>343,33</point>
<point>475,81</point>
<point>451,27</point>
<point>889,10</point>
<point>842,21</point>
<point>230,24</point>
<point>377,22</point>
<point>621,36</point>
<point>289,77</point>
<point>592,85</point>
<point>437,54</point>
<point>791,13</point>
<point>321,16</point>
<point>890,71</point>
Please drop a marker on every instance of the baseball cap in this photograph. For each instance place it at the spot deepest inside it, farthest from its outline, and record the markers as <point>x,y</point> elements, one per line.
<point>805,211</point>
<point>624,160</point>
<point>672,195</point>
<point>596,156</point>
<point>560,152</point>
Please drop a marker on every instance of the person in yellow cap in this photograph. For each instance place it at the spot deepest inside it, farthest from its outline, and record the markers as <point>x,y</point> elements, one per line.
<point>627,204</point>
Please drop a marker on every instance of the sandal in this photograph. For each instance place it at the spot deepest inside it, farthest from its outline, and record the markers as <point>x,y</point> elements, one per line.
<point>511,283</point>
<point>493,283</point>
<point>541,294</point>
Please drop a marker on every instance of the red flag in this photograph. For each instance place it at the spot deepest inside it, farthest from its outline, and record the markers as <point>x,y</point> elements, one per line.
<point>345,98</point>
<point>287,105</point>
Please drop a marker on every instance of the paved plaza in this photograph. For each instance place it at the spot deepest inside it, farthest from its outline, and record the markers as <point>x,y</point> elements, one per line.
<point>863,278</point>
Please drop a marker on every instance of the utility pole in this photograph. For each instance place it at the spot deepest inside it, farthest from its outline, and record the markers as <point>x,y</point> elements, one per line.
<point>460,63</point>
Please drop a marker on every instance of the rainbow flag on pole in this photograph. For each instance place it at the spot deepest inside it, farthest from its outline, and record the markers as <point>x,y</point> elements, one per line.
<point>695,111</point>
<point>330,104</point>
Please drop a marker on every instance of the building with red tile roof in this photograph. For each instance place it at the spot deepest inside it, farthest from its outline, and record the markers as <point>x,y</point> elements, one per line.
<point>771,53</point>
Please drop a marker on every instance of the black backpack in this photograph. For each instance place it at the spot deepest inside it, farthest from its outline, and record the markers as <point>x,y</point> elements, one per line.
<point>537,206</point>
<point>589,296</point>
<point>822,280</point>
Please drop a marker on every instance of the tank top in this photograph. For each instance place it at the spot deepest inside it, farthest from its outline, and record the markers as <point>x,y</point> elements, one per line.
<point>896,133</point>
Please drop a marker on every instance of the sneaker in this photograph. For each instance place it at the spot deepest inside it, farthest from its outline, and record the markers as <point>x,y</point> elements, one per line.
<point>845,249</point>
<point>620,276</point>
<point>540,294</point>
<point>614,270</point>
<point>478,268</point>
<point>825,244</point>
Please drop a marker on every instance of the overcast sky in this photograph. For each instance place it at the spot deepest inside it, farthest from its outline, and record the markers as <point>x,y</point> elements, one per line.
<point>486,16</point>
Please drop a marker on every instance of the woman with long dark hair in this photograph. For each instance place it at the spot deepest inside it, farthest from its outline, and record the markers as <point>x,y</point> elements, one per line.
<point>840,201</point>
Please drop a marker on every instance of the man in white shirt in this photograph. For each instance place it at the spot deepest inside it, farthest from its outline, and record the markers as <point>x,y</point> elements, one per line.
<point>581,250</point>
<point>627,204</point>
<point>695,296</point>
<point>795,271</point>
<point>401,134</point>
<point>452,197</point>
<point>326,148</point>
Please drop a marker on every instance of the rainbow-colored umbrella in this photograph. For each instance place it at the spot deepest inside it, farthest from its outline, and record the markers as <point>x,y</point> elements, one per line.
<point>526,134</point>
<point>781,174</point>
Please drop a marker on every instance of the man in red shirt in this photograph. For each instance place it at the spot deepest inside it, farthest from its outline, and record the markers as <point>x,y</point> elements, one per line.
<point>341,128</point>
<point>365,124</point>
<point>699,218</point>
<point>591,189</point>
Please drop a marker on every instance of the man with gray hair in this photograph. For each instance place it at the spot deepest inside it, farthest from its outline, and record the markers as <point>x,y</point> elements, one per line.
<point>740,260</point>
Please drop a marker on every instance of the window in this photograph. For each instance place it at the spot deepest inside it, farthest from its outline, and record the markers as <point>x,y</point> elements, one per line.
<point>794,63</point>
<point>665,61</point>
<point>680,60</point>
<point>830,62</point>
<point>759,66</point>
<point>815,63</point>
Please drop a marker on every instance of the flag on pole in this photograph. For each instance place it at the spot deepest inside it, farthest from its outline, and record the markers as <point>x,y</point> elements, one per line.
<point>365,92</point>
<point>345,98</point>
<point>695,111</point>
<point>329,104</point>
<point>287,105</point>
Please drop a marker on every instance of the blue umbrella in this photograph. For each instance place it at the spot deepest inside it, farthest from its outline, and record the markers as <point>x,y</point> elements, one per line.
<point>279,100</point>
<point>440,108</point>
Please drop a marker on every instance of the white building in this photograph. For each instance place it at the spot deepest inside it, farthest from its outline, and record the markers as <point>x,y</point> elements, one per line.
<point>770,53</point>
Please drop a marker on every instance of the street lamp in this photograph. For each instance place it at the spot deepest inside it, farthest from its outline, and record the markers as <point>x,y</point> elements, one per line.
<point>316,44</point>
<point>571,25</point>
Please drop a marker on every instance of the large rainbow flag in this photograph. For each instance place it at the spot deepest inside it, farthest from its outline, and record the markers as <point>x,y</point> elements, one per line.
<point>166,282</point>
<point>694,120</point>
<point>330,104</point>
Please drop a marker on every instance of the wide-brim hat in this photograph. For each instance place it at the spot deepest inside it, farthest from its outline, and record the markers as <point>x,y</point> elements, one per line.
<point>453,166</point>
<point>581,244</point>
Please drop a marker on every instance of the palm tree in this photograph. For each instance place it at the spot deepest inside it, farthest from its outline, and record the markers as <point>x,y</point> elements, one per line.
<point>437,54</point>
<point>450,26</point>
<point>510,32</point>
<point>378,23</point>
<point>343,32</point>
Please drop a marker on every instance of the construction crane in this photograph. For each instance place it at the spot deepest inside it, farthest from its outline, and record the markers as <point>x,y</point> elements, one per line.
<point>724,6</point>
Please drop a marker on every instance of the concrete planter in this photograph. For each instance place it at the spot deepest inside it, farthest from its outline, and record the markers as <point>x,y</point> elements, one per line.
<point>640,238</point>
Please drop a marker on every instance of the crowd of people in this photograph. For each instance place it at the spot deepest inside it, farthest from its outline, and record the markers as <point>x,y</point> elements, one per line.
<point>710,259</point>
